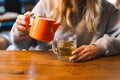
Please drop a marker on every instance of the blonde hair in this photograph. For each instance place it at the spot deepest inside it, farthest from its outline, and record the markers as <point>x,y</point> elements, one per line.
<point>64,9</point>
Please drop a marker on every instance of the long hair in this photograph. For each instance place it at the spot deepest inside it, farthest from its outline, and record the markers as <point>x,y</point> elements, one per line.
<point>64,8</point>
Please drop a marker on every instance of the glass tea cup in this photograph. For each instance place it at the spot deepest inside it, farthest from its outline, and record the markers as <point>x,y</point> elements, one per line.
<point>64,46</point>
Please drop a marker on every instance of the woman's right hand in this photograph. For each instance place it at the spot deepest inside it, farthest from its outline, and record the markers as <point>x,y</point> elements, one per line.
<point>20,23</point>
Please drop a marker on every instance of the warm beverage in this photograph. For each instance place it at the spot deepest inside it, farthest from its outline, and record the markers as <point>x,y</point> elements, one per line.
<point>64,45</point>
<point>64,49</point>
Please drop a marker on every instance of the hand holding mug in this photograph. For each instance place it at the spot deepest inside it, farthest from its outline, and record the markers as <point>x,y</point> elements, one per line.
<point>42,28</point>
<point>20,23</point>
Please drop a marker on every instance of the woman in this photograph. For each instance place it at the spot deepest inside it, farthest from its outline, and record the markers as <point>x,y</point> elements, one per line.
<point>97,25</point>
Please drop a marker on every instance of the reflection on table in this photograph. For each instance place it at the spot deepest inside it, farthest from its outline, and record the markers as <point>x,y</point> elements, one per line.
<point>43,65</point>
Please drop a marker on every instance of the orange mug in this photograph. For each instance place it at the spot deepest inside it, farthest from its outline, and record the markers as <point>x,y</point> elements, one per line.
<point>42,29</point>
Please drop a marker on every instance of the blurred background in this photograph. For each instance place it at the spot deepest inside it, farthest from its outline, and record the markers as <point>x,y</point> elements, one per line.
<point>19,6</point>
<point>14,6</point>
<point>9,10</point>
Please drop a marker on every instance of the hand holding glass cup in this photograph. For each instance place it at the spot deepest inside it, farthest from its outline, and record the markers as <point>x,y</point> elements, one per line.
<point>64,45</point>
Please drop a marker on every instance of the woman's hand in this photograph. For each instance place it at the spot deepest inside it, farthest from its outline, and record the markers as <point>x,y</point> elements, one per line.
<point>84,53</point>
<point>21,22</point>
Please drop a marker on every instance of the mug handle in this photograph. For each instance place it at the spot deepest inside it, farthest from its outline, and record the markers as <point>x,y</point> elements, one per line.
<point>54,46</point>
<point>27,19</point>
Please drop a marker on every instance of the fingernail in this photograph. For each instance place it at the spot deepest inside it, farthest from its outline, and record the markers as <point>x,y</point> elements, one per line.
<point>70,59</point>
<point>72,52</point>
<point>73,57</point>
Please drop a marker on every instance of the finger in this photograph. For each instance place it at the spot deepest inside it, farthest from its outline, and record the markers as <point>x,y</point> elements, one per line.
<point>76,51</point>
<point>28,14</point>
<point>20,27</point>
<point>73,58</point>
<point>20,22</point>
<point>78,54</point>
<point>84,57</point>
<point>85,50</point>
<point>87,58</point>
<point>21,17</point>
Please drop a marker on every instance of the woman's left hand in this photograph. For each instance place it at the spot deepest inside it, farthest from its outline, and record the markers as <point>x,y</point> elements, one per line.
<point>84,53</point>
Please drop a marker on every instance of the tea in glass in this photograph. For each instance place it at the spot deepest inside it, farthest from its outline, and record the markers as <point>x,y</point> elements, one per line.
<point>64,45</point>
<point>64,49</point>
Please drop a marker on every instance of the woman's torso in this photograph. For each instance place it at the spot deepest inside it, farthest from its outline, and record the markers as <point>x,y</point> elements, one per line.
<point>44,8</point>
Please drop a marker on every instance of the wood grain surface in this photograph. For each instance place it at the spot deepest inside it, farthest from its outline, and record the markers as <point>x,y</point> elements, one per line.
<point>43,65</point>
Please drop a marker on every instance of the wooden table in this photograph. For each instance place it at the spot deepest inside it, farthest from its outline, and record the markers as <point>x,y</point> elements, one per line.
<point>43,65</point>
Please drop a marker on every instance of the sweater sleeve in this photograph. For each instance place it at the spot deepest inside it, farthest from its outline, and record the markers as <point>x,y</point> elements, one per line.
<point>109,44</point>
<point>43,8</point>
<point>38,9</point>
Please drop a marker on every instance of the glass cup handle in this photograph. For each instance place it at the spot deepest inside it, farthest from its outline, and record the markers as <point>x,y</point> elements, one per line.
<point>54,46</point>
